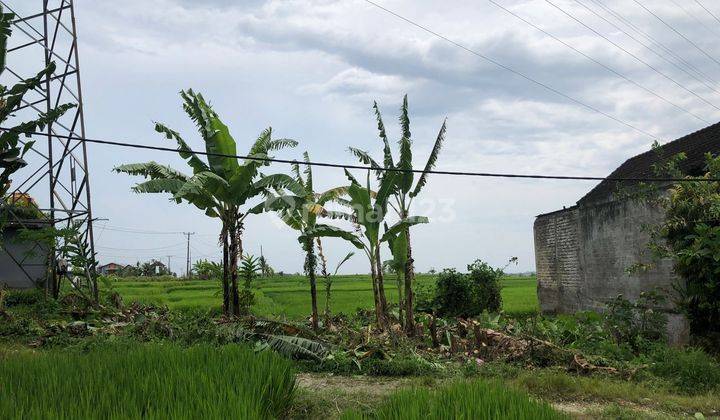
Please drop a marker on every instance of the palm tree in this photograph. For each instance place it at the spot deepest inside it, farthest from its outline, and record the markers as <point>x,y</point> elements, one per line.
<point>404,192</point>
<point>299,206</point>
<point>221,187</point>
<point>368,216</point>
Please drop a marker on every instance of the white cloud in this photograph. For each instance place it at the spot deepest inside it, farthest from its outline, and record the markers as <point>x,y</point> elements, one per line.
<point>312,69</point>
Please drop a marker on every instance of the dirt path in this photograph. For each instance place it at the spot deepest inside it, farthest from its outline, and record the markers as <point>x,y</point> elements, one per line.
<point>342,392</point>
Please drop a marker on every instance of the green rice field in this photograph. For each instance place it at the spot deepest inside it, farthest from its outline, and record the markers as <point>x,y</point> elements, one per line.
<point>288,296</point>
<point>150,381</point>
<point>462,400</point>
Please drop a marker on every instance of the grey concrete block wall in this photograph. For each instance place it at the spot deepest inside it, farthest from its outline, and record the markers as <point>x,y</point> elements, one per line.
<point>613,237</point>
<point>583,255</point>
<point>557,260</point>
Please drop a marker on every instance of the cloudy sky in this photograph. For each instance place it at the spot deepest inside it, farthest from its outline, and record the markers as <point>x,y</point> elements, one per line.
<point>312,69</point>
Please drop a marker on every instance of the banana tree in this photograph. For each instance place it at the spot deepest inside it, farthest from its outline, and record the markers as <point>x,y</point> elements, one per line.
<point>328,280</point>
<point>221,187</point>
<point>404,191</point>
<point>368,211</point>
<point>299,206</point>
<point>398,248</point>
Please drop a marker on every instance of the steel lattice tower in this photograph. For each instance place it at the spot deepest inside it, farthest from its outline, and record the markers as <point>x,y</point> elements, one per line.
<point>57,175</point>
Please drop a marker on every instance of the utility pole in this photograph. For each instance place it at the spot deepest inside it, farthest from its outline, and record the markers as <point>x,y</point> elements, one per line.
<point>168,266</point>
<point>187,272</point>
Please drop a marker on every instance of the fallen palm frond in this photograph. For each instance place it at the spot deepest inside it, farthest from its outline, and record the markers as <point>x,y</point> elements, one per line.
<point>294,347</point>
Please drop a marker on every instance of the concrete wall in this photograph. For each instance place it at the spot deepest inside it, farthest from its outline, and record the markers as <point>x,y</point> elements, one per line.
<point>613,238</point>
<point>557,261</point>
<point>583,254</point>
<point>34,262</point>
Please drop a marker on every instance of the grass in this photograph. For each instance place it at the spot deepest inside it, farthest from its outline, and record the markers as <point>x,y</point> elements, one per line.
<point>146,381</point>
<point>559,386</point>
<point>462,400</point>
<point>288,296</point>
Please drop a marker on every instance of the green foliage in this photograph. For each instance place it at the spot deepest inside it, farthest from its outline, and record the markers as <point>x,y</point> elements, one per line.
<point>208,270</point>
<point>638,323</point>
<point>690,371</point>
<point>347,363</point>
<point>147,381</point>
<point>22,297</point>
<point>468,295</point>
<point>690,236</point>
<point>468,400</point>
<point>249,271</point>
<point>221,187</point>
<point>153,268</point>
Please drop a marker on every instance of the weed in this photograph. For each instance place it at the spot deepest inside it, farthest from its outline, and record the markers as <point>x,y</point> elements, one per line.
<point>690,371</point>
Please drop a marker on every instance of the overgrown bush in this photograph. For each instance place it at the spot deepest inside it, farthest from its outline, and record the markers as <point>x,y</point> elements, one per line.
<point>468,295</point>
<point>690,371</point>
<point>638,323</point>
<point>690,236</point>
<point>23,297</point>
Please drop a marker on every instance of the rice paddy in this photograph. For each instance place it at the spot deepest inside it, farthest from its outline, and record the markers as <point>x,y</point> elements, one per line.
<point>462,400</point>
<point>288,296</point>
<point>151,381</point>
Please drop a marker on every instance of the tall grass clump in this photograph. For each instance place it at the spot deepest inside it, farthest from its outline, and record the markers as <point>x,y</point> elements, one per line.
<point>147,381</point>
<point>461,400</point>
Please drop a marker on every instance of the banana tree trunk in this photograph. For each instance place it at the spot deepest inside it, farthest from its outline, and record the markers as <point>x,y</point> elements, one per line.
<point>310,268</point>
<point>398,275</point>
<point>376,296</point>
<point>382,299</point>
<point>226,270</point>
<point>234,252</point>
<point>409,295</point>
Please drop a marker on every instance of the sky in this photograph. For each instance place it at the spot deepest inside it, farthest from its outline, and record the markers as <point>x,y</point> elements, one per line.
<point>312,69</point>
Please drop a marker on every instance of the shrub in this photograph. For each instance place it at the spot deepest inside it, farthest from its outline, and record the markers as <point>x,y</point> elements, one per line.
<point>485,281</point>
<point>468,295</point>
<point>342,363</point>
<point>453,295</point>
<point>23,297</point>
<point>461,400</point>
<point>689,371</point>
<point>637,323</point>
<point>147,381</point>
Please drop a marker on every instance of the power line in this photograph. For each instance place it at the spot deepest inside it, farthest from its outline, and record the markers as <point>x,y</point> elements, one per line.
<point>708,10</point>
<point>678,32</point>
<point>141,249</point>
<point>516,72</point>
<point>140,231</point>
<point>654,42</point>
<point>695,18</point>
<point>610,69</point>
<point>626,51</point>
<point>378,168</point>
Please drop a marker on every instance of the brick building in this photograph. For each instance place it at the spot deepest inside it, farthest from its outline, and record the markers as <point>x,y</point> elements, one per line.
<point>582,253</point>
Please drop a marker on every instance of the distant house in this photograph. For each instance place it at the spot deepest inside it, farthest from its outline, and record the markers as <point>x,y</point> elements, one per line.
<point>110,269</point>
<point>583,252</point>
